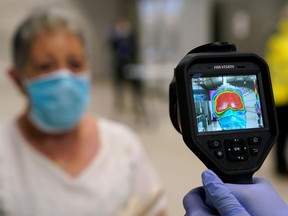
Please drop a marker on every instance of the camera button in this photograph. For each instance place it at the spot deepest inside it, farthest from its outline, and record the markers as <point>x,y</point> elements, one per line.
<point>234,141</point>
<point>239,158</point>
<point>254,140</point>
<point>254,150</point>
<point>214,144</point>
<point>219,154</point>
<point>237,149</point>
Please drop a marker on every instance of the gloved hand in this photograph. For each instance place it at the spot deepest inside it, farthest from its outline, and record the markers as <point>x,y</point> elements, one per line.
<point>217,198</point>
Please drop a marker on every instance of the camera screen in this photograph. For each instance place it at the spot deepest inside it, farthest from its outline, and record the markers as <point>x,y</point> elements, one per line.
<point>227,102</point>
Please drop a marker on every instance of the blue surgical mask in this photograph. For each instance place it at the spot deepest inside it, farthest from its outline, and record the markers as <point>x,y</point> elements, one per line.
<point>233,120</point>
<point>58,100</point>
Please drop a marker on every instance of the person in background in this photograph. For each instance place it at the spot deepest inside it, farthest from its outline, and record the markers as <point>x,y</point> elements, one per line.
<point>57,159</point>
<point>277,59</point>
<point>123,45</point>
<point>215,198</point>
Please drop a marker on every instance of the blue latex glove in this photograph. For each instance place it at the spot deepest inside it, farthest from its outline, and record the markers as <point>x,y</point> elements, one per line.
<point>217,198</point>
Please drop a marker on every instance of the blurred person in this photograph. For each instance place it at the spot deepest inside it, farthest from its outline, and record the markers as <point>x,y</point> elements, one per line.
<point>216,198</point>
<point>124,55</point>
<point>56,159</point>
<point>277,59</point>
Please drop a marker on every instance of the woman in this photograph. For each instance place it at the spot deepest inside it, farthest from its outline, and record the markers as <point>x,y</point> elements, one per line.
<point>56,159</point>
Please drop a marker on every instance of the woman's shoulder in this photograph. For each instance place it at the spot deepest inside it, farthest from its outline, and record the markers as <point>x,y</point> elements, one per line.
<point>8,137</point>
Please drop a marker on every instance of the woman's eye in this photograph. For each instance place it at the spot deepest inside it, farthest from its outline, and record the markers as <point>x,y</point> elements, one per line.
<point>76,65</point>
<point>44,67</point>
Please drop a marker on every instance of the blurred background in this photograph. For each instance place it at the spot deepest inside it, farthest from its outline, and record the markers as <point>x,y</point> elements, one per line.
<point>165,30</point>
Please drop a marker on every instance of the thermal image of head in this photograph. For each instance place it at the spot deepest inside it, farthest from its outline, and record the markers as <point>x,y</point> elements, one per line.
<point>229,108</point>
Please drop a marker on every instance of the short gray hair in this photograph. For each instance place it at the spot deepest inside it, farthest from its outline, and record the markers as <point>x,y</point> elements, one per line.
<point>41,20</point>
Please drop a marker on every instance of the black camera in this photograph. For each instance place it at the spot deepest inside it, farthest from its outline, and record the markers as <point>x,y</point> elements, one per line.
<point>221,101</point>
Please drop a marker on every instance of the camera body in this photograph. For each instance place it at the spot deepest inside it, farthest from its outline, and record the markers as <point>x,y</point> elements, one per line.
<point>221,101</point>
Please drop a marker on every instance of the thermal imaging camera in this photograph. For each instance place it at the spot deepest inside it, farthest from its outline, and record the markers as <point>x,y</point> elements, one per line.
<point>221,101</point>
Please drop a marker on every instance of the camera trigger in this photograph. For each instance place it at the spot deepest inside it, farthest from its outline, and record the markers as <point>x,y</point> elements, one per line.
<point>215,47</point>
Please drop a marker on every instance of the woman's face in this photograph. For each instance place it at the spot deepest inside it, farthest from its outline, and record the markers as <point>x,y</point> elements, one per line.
<point>53,50</point>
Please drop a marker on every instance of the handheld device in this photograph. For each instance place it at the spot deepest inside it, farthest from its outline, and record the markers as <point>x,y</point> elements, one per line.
<point>221,101</point>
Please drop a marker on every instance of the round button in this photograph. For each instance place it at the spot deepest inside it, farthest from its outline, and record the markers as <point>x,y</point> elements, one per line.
<point>254,140</point>
<point>214,144</point>
<point>219,154</point>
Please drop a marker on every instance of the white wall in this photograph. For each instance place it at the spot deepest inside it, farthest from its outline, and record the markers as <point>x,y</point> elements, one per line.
<point>168,30</point>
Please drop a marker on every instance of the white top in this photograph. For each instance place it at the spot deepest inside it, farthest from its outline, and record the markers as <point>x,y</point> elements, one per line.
<point>119,181</point>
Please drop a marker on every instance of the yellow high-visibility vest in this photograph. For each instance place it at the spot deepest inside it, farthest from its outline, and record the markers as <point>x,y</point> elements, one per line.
<point>277,59</point>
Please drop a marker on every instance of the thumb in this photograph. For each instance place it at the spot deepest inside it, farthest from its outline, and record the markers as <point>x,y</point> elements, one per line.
<point>220,196</point>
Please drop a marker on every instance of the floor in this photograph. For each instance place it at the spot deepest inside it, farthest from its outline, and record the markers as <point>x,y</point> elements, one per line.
<point>178,168</point>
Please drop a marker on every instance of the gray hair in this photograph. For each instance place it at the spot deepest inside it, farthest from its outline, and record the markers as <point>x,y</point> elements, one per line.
<point>41,20</point>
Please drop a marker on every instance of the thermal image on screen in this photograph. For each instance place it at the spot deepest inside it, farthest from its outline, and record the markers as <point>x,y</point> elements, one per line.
<point>226,103</point>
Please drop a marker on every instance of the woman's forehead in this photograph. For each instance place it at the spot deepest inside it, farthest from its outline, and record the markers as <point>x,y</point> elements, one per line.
<point>56,41</point>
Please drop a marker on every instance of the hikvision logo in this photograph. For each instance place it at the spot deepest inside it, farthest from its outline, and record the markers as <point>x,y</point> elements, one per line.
<point>217,67</point>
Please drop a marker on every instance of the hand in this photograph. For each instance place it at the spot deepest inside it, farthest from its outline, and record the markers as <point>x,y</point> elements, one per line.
<point>202,200</point>
<point>194,204</point>
<point>257,199</point>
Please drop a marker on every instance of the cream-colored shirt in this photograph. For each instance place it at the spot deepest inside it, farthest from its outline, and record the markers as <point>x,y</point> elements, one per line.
<point>119,181</point>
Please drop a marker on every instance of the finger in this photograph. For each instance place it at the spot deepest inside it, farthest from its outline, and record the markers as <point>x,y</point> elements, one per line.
<point>220,196</point>
<point>194,203</point>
